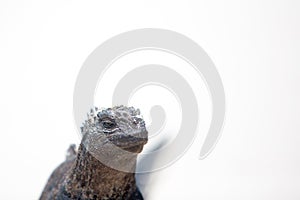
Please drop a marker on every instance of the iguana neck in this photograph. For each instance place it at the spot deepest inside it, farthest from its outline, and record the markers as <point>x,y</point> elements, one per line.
<point>89,177</point>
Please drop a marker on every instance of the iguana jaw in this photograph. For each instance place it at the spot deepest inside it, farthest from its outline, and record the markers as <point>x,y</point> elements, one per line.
<point>133,143</point>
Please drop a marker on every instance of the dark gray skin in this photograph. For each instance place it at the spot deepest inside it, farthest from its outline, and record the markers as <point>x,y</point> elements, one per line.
<point>104,166</point>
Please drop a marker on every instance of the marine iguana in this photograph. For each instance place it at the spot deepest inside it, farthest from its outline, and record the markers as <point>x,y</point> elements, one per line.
<point>104,166</point>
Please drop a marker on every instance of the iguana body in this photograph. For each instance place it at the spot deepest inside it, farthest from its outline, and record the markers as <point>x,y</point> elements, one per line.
<point>104,166</point>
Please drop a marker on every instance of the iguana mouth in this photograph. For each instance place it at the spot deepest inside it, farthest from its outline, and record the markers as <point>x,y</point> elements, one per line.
<point>134,149</point>
<point>131,143</point>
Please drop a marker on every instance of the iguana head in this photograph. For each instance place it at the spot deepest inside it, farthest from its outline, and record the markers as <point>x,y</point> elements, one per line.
<point>112,129</point>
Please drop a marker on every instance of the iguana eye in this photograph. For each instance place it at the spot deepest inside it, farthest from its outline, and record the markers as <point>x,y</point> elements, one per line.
<point>108,124</point>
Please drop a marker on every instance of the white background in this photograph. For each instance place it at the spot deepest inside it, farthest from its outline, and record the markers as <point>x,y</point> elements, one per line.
<point>254,44</point>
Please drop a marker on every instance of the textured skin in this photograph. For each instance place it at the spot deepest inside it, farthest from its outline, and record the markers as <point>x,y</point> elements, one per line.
<point>83,177</point>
